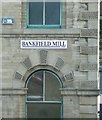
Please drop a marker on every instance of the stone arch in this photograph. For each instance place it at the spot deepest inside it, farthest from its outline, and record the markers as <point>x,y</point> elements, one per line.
<point>28,65</point>
<point>43,67</point>
<point>28,72</point>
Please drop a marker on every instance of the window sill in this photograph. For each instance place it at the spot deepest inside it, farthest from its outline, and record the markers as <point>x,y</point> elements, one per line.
<point>52,31</point>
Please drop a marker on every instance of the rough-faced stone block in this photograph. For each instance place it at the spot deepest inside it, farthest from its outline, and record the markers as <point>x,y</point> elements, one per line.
<point>88,84</point>
<point>89,32</point>
<point>92,67</point>
<point>43,56</point>
<point>83,67</point>
<point>88,50</point>
<point>88,66</point>
<point>88,15</point>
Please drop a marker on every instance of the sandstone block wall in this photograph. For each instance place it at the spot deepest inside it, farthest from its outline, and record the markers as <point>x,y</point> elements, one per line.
<point>77,65</point>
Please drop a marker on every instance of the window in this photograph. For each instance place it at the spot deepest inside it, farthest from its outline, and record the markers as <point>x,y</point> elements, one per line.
<point>101,25</point>
<point>101,8</point>
<point>43,13</point>
<point>43,97</point>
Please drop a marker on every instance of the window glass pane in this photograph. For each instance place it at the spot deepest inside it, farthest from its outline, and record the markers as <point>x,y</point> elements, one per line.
<point>101,8</point>
<point>42,110</point>
<point>52,13</point>
<point>52,87</point>
<point>36,13</point>
<point>101,25</point>
<point>35,84</point>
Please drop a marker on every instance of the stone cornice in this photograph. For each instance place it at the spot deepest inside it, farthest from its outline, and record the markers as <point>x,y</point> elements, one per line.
<point>13,91</point>
<point>79,92</point>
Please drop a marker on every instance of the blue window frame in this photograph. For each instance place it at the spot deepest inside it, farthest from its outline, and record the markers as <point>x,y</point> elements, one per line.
<point>43,13</point>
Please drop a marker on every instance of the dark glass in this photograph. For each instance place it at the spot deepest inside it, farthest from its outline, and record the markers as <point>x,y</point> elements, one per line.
<point>101,25</point>
<point>35,84</point>
<point>41,110</point>
<point>52,87</point>
<point>101,8</point>
<point>35,13</point>
<point>52,13</point>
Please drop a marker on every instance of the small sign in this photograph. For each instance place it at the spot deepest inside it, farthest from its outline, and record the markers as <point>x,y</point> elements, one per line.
<point>44,44</point>
<point>7,20</point>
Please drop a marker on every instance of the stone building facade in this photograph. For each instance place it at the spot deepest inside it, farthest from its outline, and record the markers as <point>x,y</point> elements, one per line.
<point>76,66</point>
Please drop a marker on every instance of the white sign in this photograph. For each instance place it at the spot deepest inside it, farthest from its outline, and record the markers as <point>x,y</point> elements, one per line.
<point>44,44</point>
<point>7,20</point>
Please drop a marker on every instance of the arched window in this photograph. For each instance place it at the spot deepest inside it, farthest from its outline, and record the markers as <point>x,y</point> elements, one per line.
<point>43,96</point>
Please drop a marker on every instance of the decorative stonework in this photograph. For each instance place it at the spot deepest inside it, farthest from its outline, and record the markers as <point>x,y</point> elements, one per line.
<point>18,76</point>
<point>60,63</point>
<point>27,63</point>
<point>70,76</point>
<point>89,33</point>
<point>88,50</point>
<point>43,56</point>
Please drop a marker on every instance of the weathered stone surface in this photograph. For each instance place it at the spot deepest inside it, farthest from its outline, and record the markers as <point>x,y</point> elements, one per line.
<point>88,50</point>
<point>88,66</point>
<point>89,33</point>
<point>88,15</point>
<point>77,85</point>
<point>88,84</point>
